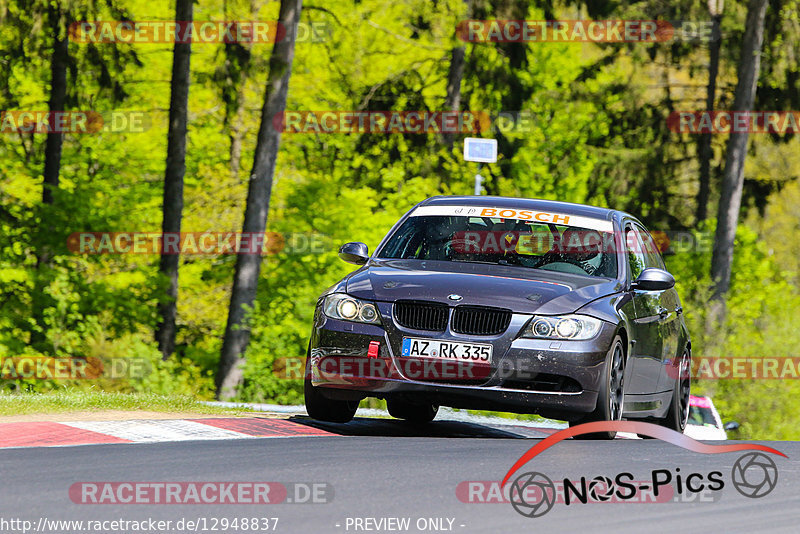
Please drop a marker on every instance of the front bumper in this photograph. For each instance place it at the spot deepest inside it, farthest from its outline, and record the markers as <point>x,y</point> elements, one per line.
<point>557,379</point>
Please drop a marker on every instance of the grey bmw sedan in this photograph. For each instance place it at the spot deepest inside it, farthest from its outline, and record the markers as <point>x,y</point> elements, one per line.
<point>507,304</point>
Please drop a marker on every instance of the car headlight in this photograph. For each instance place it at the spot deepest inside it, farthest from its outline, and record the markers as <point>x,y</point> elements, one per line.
<point>347,308</point>
<point>573,327</point>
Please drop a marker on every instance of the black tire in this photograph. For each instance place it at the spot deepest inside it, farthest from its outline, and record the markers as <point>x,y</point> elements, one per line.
<point>416,413</point>
<point>611,397</point>
<point>678,412</point>
<point>322,408</point>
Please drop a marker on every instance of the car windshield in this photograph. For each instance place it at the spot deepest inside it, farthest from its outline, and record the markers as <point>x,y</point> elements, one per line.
<point>701,416</point>
<point>499,241</point>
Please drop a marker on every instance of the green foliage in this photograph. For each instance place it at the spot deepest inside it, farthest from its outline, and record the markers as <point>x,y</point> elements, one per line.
<point>125,364</point>
<point>762,308</point>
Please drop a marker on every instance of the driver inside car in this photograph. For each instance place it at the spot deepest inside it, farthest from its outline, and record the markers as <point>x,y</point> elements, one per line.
<point>582,247</point>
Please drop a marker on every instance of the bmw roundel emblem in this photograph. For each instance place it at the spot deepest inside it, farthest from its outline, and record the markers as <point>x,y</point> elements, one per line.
<point>454,297</point>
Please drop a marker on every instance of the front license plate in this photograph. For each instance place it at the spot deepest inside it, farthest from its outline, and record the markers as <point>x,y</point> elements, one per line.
<point>446,350</point>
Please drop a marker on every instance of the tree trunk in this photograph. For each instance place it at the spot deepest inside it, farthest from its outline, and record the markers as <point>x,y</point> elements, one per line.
<point>58,97</point>
<point>236,120</point>
<point>705,139</point>
<point>248,266</point>
<point>52,153</point>
<point>452,102</point>
<point>454,77</point>
<point>236,136</point>
<point>237,74</point>
<point>173,180</point>
<point>731,191</point>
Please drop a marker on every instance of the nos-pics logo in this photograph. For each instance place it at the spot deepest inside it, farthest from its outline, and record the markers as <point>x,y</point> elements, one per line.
<point>533,494</point>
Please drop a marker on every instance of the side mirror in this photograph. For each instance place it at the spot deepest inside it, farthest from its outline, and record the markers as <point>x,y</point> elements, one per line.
<point>731,425</point>
<point>654,280</point>
<point>355,252</point>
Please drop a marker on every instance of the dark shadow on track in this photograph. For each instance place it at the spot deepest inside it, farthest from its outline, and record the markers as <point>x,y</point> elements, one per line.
<point>362,426</point>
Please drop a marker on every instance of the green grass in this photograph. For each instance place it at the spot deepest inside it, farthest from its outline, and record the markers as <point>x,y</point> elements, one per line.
<point>75,400</point>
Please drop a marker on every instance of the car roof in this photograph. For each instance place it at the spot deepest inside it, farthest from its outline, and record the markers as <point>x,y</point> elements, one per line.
<point>526,203</point>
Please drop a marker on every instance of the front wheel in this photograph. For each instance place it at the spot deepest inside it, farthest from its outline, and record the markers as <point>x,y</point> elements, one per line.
<point>611,395</point>
<point>320,407</point>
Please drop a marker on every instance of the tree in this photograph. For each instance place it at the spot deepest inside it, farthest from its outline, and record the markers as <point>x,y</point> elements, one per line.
<point>248,266</point>
<point>715,8</point>
<point>732,182</point>
<point>173,179</point>
<point>232,77</point>
<point>59,60</point>
<point>455,74</point>
<point>58,97</point>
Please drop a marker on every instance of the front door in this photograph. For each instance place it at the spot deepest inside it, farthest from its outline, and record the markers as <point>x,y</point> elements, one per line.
<point>644,309</point>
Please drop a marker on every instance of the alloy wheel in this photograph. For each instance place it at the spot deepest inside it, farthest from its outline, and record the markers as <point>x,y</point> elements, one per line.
<point>684,386</point>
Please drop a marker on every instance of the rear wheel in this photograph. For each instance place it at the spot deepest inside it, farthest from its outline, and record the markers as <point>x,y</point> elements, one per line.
<point>416,413</point>
<point>678,412</point>
<point>611,396</point>
<point>320,407</point>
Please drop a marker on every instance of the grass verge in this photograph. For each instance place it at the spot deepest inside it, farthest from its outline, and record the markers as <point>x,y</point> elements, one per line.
<point>80,401</point>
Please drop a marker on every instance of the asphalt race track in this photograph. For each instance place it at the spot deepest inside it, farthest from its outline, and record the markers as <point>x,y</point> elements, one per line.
<point>380,469</point>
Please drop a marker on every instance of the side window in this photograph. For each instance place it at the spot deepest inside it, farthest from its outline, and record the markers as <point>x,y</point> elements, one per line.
<point>652,258</point>
<point>635,252</point>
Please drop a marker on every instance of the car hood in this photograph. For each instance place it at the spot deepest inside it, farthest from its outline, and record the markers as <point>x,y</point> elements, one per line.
<point>518,289</point>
